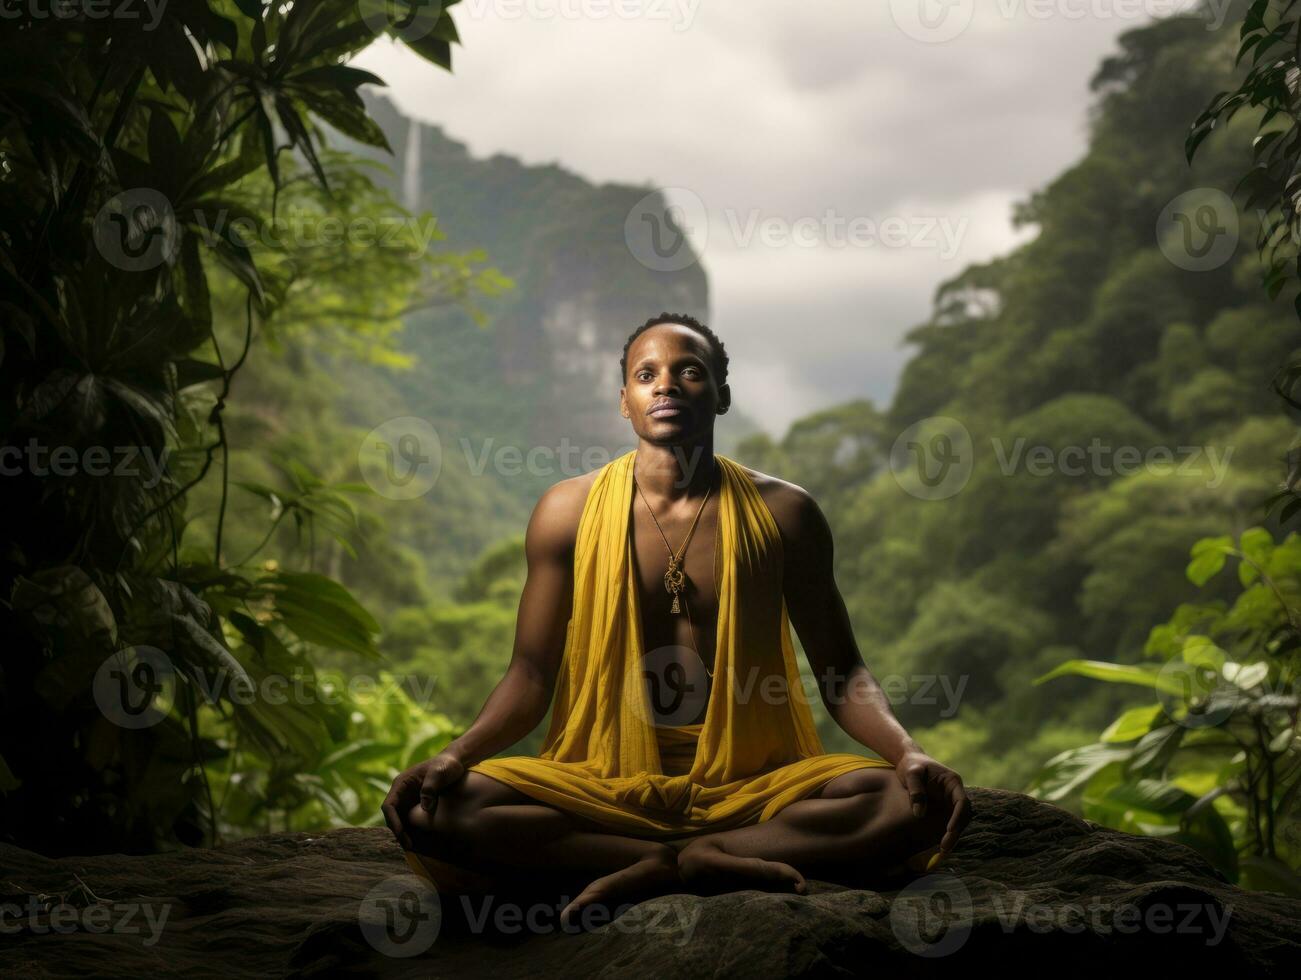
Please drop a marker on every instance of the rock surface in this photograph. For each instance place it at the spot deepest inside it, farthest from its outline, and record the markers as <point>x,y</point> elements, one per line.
<point>1030,886</point>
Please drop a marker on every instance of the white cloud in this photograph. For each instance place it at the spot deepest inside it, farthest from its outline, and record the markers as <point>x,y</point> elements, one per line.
<point>787,110</point>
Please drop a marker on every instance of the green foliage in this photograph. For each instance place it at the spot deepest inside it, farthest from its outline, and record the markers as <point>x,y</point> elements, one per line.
<point>141,170</point>
<point>334,777</point>
<point>1270,47</point>
<point>1215,761</point>
<point>1085,334</point>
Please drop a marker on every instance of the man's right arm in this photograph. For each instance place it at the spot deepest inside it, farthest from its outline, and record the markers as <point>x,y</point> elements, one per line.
<point>520,700</point>
<point>521,697</point>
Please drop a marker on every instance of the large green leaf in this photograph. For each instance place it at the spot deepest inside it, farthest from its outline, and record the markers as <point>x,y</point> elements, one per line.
<point>1069,770</point>
<point>1143,675</point>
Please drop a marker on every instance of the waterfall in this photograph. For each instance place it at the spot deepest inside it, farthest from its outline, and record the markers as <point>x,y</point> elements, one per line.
<point>411,167</point>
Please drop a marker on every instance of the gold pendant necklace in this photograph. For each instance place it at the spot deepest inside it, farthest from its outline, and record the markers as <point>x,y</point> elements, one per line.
<point>674,578</point>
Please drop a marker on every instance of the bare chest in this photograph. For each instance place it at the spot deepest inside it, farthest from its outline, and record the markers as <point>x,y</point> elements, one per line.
<point>694,627</point>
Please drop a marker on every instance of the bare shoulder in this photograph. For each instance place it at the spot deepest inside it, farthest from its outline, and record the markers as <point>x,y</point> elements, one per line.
<point>807,546</point>
<point>792,507</point>
<point>553,527</point>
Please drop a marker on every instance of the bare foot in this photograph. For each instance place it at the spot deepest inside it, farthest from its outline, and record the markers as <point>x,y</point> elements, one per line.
<point>710,870</point>
<point>647,878</point>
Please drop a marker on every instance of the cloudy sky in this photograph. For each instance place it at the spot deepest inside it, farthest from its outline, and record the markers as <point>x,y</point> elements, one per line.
<point>834,160</point>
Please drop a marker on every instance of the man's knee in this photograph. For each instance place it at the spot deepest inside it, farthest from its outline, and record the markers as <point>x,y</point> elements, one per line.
<point>450,825</point>
<point>884,806</point>
<point>458,808</point>
<point>857,782</point>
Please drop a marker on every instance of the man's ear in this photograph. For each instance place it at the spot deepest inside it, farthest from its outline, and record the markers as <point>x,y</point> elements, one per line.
<point>623,407</point>
<point>724,399</point>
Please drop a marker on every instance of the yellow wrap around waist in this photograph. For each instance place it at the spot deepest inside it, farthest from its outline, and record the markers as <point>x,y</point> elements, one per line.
<point>604,758</point>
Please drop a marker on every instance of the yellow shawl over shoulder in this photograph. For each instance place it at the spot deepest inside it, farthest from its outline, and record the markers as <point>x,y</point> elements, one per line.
<point>757,752</point>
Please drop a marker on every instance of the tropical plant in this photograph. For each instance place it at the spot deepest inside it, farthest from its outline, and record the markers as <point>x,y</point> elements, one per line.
<point>138,161</point>
<point>1215,760</point>
<point>1271,35</point>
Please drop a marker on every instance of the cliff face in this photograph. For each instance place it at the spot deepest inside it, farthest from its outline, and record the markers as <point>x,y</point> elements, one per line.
<point>552,347</point>
<point>1029,888</point>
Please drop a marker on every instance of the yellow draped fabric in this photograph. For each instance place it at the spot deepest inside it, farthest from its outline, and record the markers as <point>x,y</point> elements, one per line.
<point>604,758</point>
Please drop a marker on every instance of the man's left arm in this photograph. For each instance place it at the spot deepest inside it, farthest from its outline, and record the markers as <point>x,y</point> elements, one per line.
<point>850,692</point>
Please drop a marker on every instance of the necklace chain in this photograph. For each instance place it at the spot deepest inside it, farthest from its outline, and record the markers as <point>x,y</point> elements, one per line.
<point>674,578</point>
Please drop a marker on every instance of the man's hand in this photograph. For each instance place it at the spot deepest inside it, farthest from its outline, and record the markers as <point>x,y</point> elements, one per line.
<point>923,777</point>
<point>420,784</point>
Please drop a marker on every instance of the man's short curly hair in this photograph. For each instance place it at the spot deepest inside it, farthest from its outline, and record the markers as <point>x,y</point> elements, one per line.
<point>717,351</point>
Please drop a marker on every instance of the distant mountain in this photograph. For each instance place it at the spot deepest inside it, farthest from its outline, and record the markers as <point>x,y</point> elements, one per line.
<point>546,367</point>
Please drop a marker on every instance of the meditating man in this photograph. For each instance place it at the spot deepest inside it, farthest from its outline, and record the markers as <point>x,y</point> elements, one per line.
<point>681,753</point>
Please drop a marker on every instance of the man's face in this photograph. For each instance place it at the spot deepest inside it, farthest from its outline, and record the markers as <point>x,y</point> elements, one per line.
<point>670,394</point>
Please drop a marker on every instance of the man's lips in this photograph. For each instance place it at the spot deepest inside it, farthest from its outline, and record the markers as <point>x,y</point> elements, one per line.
<point>666,409</point>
